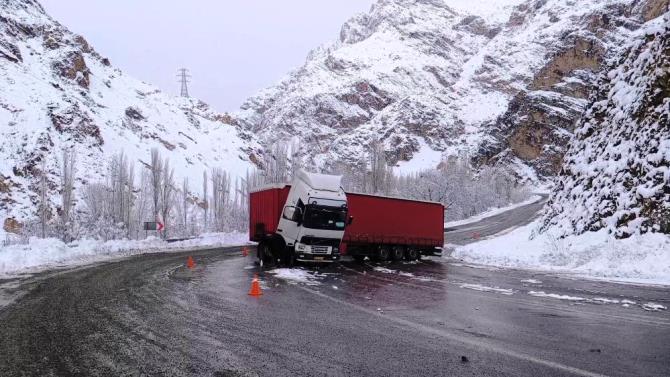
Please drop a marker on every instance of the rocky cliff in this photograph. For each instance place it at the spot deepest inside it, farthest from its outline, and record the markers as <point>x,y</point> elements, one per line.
<point>429,79</point>
<point>617,171</point>
<point>57,93</point>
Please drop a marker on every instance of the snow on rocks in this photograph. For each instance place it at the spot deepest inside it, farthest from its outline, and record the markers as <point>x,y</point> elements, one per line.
<point>434,79</point>
<point>616,175</point>
<point>62,95</point>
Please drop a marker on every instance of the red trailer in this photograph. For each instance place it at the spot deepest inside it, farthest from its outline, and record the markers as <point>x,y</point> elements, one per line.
<point>378,227</point>
<point>265,208</point>
<point>392,228</point>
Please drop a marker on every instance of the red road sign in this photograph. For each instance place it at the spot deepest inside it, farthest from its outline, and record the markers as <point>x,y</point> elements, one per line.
<point>160,226</point>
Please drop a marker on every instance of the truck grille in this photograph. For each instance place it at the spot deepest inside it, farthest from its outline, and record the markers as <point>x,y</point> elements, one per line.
<point>315,241</point>
<point>319,249</point>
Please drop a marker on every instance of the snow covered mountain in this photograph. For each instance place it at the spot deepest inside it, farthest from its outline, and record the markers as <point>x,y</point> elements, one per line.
<point>617,171</point>
<point>504,81</point>
<point>57,93</point>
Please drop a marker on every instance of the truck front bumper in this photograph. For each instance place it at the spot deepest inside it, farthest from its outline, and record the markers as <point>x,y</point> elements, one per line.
<point>317,258</point>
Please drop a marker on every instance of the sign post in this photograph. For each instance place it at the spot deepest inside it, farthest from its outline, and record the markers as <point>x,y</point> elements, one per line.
<point>155,226</point>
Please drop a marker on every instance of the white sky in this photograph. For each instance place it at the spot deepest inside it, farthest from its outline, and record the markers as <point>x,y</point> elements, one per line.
<point>232,47</point>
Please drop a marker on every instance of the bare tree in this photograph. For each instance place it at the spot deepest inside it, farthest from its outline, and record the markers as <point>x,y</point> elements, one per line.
<point>205,197</point>
<point>167,189</point>
<point>296,157</point>
<point>143,198</point>
<point>43,189</point>
<point>67,193</point>
<point>220,197</point>
<point>276,163</point>
<point>184,207</point>
<point>156,169</point>
<point>130,199</point>
<point>380,173</point>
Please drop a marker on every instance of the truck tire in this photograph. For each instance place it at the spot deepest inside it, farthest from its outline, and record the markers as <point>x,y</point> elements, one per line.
<point>290,258</point>
<point>398,253</point>
<point>265,255</point>
<point>384,253</point>
<point>412,254</point>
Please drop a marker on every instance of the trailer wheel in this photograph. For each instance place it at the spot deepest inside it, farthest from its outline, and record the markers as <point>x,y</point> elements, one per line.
<point>383,254</point>
<point>397,253</point>
<point>412,254</point>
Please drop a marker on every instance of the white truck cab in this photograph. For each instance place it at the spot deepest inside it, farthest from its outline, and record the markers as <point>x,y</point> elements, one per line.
<point>314,217</point>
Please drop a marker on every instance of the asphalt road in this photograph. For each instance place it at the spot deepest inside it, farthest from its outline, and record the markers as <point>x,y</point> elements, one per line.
<point>151,316</point>
<point>464,234</point>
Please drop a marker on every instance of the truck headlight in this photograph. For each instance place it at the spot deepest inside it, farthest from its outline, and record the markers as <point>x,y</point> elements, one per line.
<point>300,247</point>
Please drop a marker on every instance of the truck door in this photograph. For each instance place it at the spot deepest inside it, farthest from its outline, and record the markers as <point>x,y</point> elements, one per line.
<point>289,224</point>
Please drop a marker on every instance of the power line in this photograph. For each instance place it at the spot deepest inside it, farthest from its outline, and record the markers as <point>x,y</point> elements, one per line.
<point>184,77</point>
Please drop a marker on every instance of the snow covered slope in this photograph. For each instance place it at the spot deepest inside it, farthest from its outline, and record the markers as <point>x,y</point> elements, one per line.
<point>617,172</point>
<point>504,80</point>
<point>57,93</point>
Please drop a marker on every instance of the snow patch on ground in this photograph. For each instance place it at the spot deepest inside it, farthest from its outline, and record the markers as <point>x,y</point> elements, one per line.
<point>405,274</point>
<point>639,259</point>
<point>385,270</point>
<point>41,254</point>
<point>482,288</point>
<point>556,296</point>
<point>492,212</point>
<point>652,307</point>
<point>531,281</point>
<point>297,275</point>
<point>598,300</point>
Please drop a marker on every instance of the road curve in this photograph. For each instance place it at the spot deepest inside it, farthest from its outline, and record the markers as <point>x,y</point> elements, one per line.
<point>150,315</point>
<point>464,234</point>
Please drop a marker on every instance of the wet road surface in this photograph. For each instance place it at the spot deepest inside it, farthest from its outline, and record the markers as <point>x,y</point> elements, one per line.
<point>464,234</point>
<point>151,316</point>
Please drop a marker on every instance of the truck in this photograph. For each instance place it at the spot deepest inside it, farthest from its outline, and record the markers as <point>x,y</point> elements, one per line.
<point>313,219</point>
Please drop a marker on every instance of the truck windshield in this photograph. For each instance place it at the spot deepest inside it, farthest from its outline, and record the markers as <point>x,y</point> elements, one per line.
<point>325,217</point>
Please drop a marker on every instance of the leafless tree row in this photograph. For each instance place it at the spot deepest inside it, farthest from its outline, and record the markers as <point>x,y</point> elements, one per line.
<point>464,190</point>
<point>118,206</point>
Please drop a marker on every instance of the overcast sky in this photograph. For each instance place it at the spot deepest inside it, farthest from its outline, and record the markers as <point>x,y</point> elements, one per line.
<point>232,47</point>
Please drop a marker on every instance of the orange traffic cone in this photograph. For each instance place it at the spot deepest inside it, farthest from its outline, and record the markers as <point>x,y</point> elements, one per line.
<point>190,263</point>
<point>255,290</point>
<point>245,252</point>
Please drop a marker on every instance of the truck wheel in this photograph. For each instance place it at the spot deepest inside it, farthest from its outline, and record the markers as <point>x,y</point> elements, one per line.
<point>412,254</point>
<point>397,253</point>
<point>383,254</point>
<point>290,258</point>
<point>265,254</point>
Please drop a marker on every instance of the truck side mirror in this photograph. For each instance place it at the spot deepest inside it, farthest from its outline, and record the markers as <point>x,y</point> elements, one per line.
<point>350,221</point>
<point>289,213</point>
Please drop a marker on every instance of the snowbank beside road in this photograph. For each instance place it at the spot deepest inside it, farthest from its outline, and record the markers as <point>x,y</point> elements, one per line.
<point>491,212</point>
<point>41,254</point>
<point>641,258</point>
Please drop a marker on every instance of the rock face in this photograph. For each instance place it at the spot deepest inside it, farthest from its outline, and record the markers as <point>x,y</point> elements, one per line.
<point>617,171</point>
<point>57,93</point>
<point>424,78</point>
